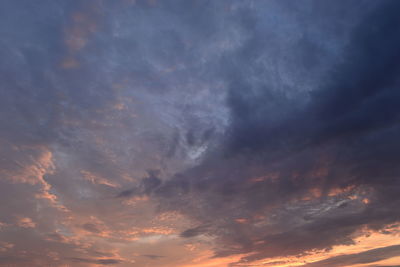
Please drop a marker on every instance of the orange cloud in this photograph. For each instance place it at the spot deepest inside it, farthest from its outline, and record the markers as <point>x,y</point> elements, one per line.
<point>25,222</point>
<point>272,177</point>
<point>4,246</point>
<point>339,191</point>
<point>96,179</point>
<point>206,260</point>
<point>158,231</point>
<point>242,220</point>
<point>39,161</point>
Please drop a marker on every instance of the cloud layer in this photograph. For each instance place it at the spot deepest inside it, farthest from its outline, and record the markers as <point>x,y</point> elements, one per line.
<point>182,132</point>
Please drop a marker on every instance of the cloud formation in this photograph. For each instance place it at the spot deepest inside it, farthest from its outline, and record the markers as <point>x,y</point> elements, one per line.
<point>193,132</point>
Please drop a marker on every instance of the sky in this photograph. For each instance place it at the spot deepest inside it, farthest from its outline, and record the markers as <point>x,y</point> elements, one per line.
<point>199,133</point>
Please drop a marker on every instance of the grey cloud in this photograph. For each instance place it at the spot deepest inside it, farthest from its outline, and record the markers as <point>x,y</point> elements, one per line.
<point>245,108</point>
<point>192,232</point>
<point>369,256</point>
<point>350,120</point>
<point>153,257</point>
<point>101,261</point>
<point>91,228</point>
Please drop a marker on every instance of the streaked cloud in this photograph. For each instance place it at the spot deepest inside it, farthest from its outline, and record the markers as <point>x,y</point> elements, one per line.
<point>199,133</point>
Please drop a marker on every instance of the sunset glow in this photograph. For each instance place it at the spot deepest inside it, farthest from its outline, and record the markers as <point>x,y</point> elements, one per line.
<point>199,133</point>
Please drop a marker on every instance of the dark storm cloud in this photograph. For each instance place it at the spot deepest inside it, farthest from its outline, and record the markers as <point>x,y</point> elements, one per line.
<point>292,143</point>
<point>358,93</point>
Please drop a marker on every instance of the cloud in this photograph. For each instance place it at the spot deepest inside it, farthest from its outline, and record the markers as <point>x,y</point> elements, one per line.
<point>97,261</point>
<point>90,228</point>
<point>312,142</point>
<point>269,128</point>
<point>153,257</point>
<point>369,256</point>
<point>25,222</point>
<point>192,232</point>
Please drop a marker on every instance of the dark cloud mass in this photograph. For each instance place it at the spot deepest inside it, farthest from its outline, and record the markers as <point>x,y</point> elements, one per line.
<point>180,132</point>
<point>369,256</point>
<point>101,262</point>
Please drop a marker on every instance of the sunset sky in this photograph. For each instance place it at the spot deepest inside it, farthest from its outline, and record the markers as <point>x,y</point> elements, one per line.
<point>199,133</point>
